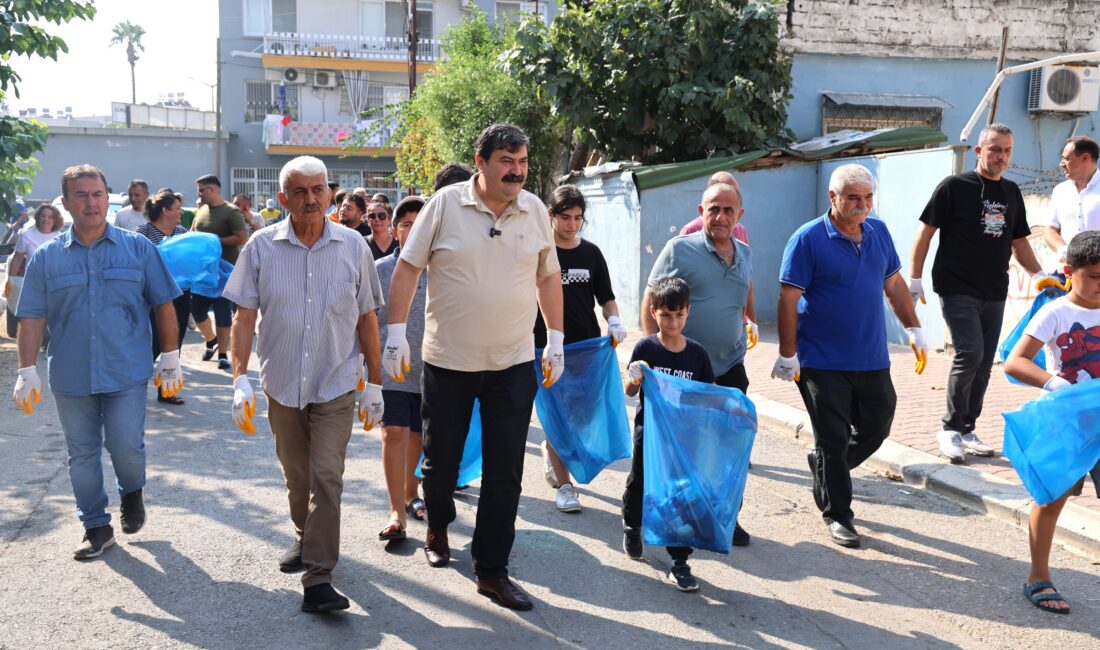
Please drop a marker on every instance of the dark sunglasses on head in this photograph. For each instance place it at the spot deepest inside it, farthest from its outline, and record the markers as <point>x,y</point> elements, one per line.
<point>380,216</point>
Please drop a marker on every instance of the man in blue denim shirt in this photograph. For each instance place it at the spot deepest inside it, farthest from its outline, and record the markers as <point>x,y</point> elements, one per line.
<point>93,286</point>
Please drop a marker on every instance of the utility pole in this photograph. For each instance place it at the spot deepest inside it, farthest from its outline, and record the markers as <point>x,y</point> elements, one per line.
<point>218,111</point>
<point>410,22</point>
<point>1000,66</point>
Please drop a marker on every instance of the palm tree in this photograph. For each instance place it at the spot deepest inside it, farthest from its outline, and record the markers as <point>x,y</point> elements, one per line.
<point>130,34</point>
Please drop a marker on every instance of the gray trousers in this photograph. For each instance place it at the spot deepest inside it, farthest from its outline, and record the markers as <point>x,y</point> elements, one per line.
<point>975,326</point>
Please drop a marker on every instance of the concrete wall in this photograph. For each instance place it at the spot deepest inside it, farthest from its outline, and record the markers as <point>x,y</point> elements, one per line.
<point>1039,141</point>
<point>964,29</point>
<point>162,157</point>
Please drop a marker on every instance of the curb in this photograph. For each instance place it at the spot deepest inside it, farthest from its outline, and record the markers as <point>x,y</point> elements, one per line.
<point>1078,528</point>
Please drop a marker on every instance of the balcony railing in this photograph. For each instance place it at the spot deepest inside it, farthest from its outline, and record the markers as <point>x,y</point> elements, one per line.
<point>368,48</point>
<point>320,135</point>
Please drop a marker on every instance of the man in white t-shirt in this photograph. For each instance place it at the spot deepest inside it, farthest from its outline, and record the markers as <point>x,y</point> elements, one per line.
<point>132,216</point>
<point>1075,202</point>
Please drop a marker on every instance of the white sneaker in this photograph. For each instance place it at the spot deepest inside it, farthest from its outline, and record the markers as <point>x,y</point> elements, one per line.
<point>547,468</point>
<point>975,447</point>
<point>566,501</point>
<point>951,445</point>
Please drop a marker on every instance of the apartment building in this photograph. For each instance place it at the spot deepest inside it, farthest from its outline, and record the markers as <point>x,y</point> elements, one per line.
<point>323,63</point>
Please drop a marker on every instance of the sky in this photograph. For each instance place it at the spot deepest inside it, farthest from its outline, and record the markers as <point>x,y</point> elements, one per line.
<point>180,40</point>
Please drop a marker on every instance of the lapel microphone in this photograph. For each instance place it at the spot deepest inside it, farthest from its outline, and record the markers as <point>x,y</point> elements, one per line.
<point>493,232</point>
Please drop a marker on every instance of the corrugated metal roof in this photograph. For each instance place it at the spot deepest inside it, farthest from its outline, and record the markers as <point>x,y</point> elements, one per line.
<point>888,99</point>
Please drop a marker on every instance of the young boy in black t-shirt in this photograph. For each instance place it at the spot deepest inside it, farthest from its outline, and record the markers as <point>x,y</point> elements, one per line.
<point>670,352</point>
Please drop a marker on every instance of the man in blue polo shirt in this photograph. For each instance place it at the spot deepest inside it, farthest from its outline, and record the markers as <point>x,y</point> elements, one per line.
<point>832,337</point>
<point>93,286</point>
<point>718,269</point>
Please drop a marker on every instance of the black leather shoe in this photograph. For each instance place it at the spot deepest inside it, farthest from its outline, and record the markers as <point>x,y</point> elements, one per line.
<point>819,496</point>
<point>291,561</point>
<point>437,549</point>
<point>844,534</point>
<point>132,512</point>
<point>741,536</point>
<point>323,598</point>
<point>95,540</point>
<point>505,592</point>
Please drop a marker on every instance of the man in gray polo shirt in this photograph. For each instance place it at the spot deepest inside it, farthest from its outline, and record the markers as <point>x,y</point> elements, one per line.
<point>315,281</point>
<point>718,269</point>
<point>487,248</point>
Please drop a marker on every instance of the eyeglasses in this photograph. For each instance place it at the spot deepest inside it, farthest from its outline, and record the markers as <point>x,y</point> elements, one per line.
<point>380,216</point>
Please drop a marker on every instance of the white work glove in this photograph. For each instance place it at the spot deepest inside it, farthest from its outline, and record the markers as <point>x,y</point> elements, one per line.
<point>396,358</point>
<point>616,330</point>
<point>360,375</point>
<point>244,404</point>
<point>1056,383</point>
<point>28,389</point>
<point>919,345</point>
<point>634,370</point>
<point>371,406</point>
<point>168,376</point>
<point>917,291</point>
<point>553,358</point>
<point>787,368</point>
<point>752,335</point>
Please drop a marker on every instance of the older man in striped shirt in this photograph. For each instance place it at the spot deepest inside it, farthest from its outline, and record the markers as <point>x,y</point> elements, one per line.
<point>315,283</point>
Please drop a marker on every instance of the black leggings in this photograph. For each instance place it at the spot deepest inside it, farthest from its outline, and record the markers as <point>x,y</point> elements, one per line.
<point>183,311</point>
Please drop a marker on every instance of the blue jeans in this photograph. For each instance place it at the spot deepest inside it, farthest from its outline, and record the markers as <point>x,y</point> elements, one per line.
<point>91,422</point>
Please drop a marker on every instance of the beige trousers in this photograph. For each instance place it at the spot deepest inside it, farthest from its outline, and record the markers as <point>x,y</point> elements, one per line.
<point>311,444</point>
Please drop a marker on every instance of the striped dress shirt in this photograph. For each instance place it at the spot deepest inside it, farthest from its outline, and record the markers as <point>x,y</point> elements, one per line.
<point>310,300</point>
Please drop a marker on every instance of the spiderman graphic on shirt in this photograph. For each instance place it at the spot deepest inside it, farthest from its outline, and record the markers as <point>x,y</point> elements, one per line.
<point>1080,352</point>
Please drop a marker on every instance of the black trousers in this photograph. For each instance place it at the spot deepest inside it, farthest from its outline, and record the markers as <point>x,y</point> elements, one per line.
<point>975,326</point>
<point>635,490</point>
<point>851,412</point>
<point>183,311</point>
<point>507,397</point>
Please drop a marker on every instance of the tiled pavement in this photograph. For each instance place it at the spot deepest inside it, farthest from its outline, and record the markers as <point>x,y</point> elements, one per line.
<point>921,403</point>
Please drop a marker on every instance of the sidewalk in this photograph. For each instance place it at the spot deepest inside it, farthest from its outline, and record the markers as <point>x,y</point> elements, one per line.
<point>989,485</point>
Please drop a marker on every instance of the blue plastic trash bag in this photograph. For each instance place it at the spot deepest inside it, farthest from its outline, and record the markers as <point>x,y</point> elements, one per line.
<point>1054,440</point>
<point>1045,296</point>
<point>195,261</point>
<point>584,412</point>
<point>697,442</point>
<point>469,470</point>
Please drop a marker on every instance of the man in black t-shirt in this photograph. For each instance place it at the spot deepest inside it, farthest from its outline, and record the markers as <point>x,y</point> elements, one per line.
<point>982,223</point>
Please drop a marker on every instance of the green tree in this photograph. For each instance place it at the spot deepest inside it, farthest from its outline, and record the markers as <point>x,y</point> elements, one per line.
<point>660,80</point>
<point>467,92</point>
<point>22,33</point>
<point>129,34</point>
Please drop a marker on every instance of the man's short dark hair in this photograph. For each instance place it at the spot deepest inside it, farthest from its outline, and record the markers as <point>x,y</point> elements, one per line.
<point>1083,249</point>
<point>354,198</point>
<point>137,182</point>
<point>500,136</point>
<point>333,185</point>
<point>80,171</point>
<point>408,205</point>
<point>450,174</point>
<point>208,179</point>
<point>670,294</point>
<point>566,197</point>
<point>1085,144</point>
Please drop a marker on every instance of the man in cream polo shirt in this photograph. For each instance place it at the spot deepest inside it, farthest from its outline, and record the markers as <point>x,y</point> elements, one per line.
<point>488,249</point>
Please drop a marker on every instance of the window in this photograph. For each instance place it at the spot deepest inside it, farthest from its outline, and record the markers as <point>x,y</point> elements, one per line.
<point>870,112</point>
<point>267,16</point>
<point>378,18</point>
<point>514,10</point>
<point>261,98</point>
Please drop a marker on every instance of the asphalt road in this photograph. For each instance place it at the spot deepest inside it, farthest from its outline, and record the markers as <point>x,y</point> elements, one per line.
<point>202,573</point>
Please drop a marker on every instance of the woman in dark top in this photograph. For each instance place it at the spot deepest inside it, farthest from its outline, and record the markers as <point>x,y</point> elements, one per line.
<point>163,211</point>
<point>585,284</point>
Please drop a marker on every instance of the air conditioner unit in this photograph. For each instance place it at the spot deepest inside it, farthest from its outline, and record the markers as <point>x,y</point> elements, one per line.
<point>324,79</point>
<point>293,76</point>
<point>1064,89</point>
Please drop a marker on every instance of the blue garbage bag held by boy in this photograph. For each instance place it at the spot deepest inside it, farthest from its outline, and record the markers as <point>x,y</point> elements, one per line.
<point>1047,295</point>
<point>698,438</point>
<point>584,412</point>
<point>1054,440</point>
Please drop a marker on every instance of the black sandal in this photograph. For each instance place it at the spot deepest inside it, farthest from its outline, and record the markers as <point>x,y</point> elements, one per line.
<point>417,509</point>
<point>175,399</point>
<point>393,531</point>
